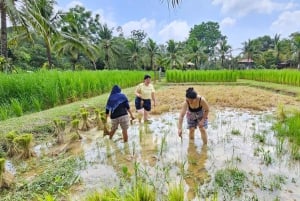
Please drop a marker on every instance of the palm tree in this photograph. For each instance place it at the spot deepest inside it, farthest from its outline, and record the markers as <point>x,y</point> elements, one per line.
<point>108,44</point>
<point>134,51</point>
<point>173,57</point>
<point>197,52</point>
<point>38,14</point>
<point>277,47</point>
<point>153,50</point>
<point>296,45</point>
<point>8,8</point>
<point>223,49</point>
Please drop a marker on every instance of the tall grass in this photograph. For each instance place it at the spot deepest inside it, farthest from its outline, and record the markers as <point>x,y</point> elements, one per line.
<point>31,92</point>
<point>289,77</point>
<point>201,76</point>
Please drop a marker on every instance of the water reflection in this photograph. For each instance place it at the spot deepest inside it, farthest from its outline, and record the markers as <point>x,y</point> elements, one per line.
<point>157,148</point>
<point>196,172</point>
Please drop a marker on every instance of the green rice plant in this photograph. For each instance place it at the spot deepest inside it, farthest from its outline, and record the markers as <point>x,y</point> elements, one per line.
<point>10,145</point>
<point>295,152</point>
<point>16,107</point>
<point>176,193</point>
<point>24,145</point>
<point>37,104</point>
<point>46,197</point>
<point>261,138</point>
<point>59,132</point>
<point>141,192</point>
<point>267,157</point>
<point>106,195</point>
<point>163,144</point>
<point>4,112</point>
<point>235,132</point>
<point>231,181</point>
<point>85,125</point>
<point>279,145</point>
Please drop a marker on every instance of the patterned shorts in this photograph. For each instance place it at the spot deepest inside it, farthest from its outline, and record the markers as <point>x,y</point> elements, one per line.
<point>193,119</point>
<point>122,120</point>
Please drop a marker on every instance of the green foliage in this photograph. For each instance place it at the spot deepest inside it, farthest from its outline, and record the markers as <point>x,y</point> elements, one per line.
<point>201,76</point>
<point>30,92</point>
<point>176,193</point>
<point>231,180</point>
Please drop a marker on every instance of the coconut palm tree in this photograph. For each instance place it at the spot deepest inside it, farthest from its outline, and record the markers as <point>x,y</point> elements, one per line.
<point>173,58</point>
<point>223,49</point>
<point>277,47</point>
<point>38,14</point>
<point>108,44</point>
<point>9,10</point>
<point>153,51</point>
<point>134,49</point>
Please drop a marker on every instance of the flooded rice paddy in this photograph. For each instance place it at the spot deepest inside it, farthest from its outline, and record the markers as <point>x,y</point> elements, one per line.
<point>238,139</point>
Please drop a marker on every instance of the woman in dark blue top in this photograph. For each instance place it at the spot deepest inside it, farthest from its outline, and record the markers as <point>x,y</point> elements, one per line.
<point>117,108</point>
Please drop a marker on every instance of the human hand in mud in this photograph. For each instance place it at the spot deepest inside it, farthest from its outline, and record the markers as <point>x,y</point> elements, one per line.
<point>180,132</point>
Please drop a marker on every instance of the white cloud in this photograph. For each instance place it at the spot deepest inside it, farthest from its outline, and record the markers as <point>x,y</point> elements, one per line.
<point>106,18</point>
<point>227,22</point>
<point>244,7</point>
<point>176,30</point>
<point>287,23</point>
<point>148,26</point>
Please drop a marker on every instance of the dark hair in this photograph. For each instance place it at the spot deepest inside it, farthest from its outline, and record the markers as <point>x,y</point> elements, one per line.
<point>147,76</point>
<point>191,93</point>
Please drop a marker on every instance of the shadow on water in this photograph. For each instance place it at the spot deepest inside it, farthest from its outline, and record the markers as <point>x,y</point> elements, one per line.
<point>163,158</point>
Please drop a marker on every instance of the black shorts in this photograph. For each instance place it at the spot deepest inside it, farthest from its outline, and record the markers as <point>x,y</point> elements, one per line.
<point>142,103</point>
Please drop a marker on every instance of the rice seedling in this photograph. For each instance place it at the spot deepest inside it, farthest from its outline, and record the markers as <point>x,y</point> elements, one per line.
<point>279,145</point>
<point>85,125</point>
<point>295,152</point>
<point>106,195</point>
<point>141,192</point>
<point>36,104</point>
<point>24,145</point>
<point>10,145</point>
<point>60,127</point>
<point>231,181</point>
<point>4,112</point>
<point>261,138</point>
<point>75,130</point>
<point>16,107</point>
<point>235,132</point>
<point>176,193</point>
<point>6,178</point>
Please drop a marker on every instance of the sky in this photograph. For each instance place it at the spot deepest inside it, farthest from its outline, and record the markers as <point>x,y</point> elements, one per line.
<point>239,20</point>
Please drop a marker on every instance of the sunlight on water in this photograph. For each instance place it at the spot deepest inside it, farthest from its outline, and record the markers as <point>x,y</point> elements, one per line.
<point>164,158</point>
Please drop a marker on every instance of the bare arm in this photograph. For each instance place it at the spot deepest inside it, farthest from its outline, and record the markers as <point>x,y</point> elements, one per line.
<point>138,91</point>
<point>153,98</point>
<point>205,107</point>
<point>181,116</point>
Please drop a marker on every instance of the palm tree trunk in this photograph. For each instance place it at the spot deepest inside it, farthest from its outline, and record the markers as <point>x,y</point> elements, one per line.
<point>49,57</point>
<point>3,30</point>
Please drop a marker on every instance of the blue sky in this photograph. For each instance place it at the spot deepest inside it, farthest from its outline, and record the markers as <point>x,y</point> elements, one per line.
<point>239,20</point>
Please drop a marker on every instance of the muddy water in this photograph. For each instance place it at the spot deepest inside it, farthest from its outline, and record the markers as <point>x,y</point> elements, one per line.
<point>164,159</point>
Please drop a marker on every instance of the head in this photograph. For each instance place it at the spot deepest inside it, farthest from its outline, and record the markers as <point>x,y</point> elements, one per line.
<point>147,79</point>
<point>191,94</point>
<point>115,89</point>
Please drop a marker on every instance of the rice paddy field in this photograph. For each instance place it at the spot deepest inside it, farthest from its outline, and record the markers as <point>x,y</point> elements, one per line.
<point>252,153</point>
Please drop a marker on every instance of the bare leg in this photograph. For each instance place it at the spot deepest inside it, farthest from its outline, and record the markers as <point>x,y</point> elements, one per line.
<point>192,133</point>
<point>145,115</point>
<point>111,133</point>
<point>203,135</point>
<point>125,135</point>
<point>140,114</point>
